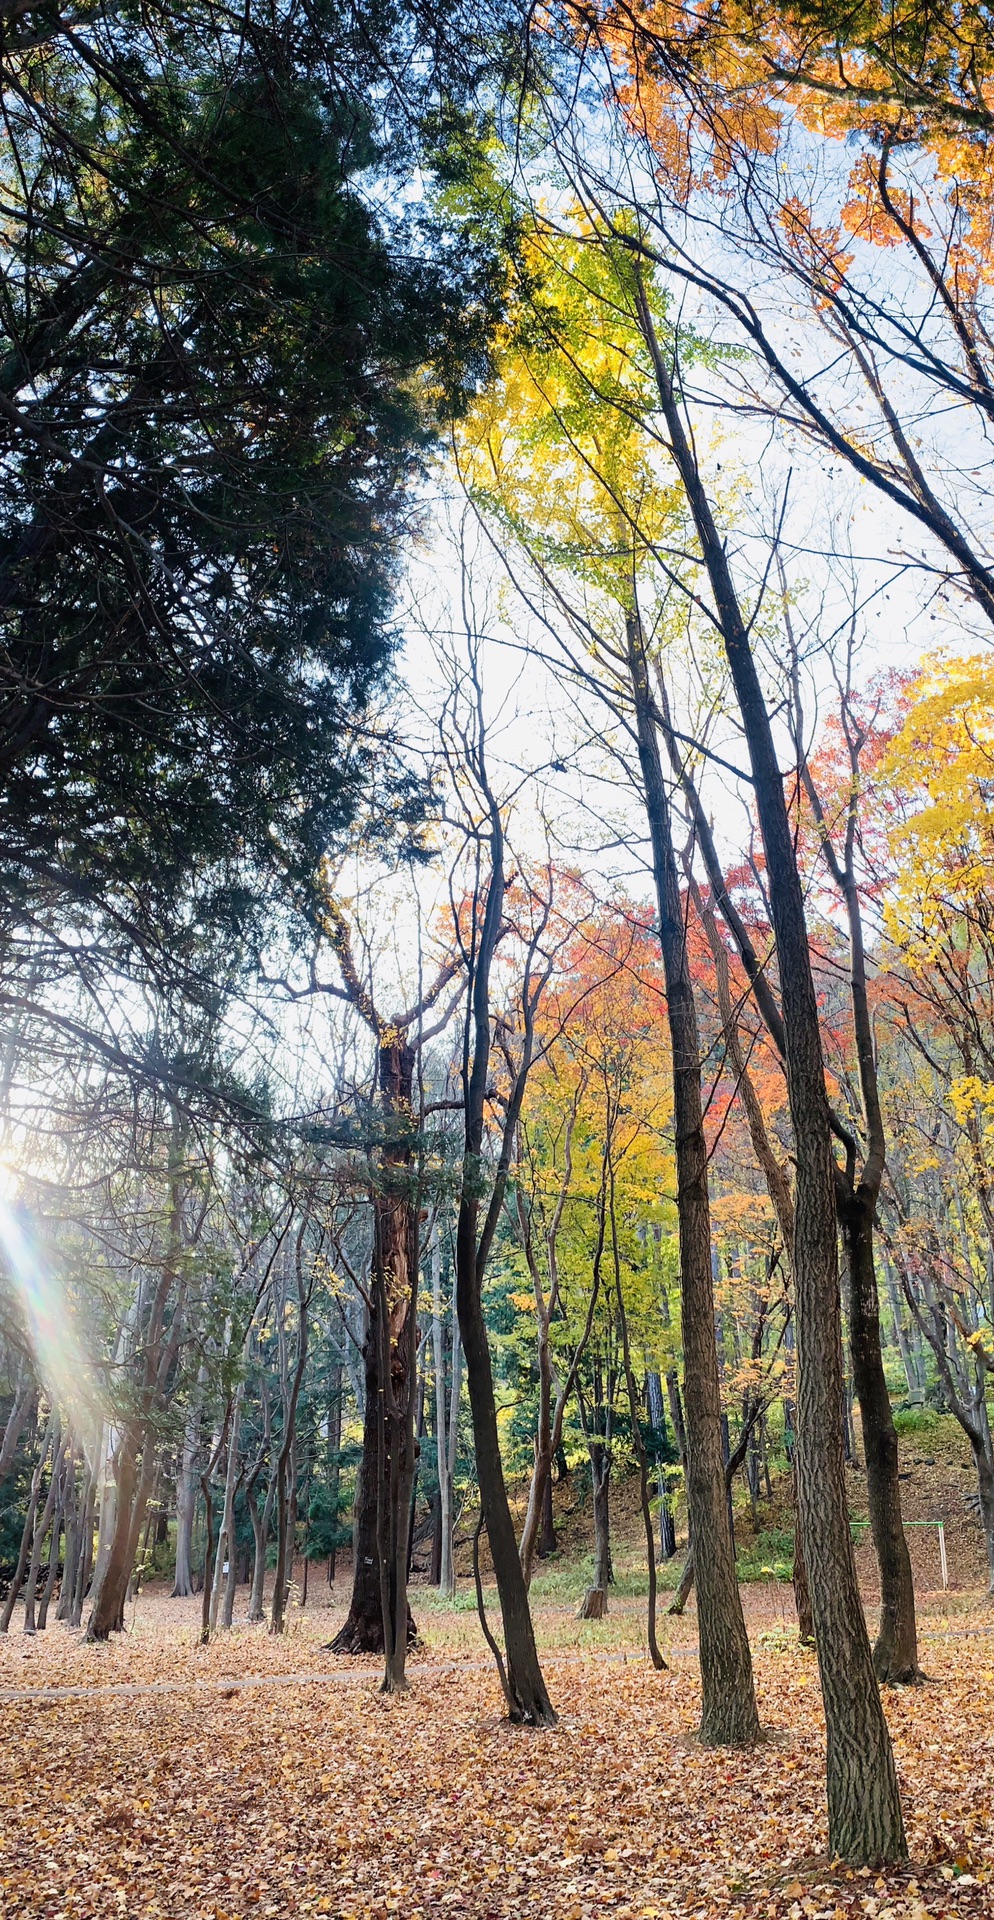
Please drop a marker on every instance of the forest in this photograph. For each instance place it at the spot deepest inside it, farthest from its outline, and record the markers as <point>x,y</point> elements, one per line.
<point>497,988</point>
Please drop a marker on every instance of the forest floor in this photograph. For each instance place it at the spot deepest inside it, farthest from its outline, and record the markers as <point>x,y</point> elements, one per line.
<point>266,1777</point>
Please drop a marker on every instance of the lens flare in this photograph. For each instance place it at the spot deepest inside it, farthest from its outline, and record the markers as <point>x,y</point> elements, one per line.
<point>62,1365</point>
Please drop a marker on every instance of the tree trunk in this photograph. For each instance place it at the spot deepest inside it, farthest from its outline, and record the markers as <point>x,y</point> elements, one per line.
<point>85,1562</point>
<point>729,1716</point>
<point>23,1410</point>
<point>799,1576</point>
<point>685,1587</point>
<point>895,1655</point>
<point>106,1496</point>
<point>446,1424</point>
<point>334,1451</point>
<point>28,1529</point>
<point>984,1463</point>
<point>53,1573</point>
<point>521,1675</point>
<point>225,1556</point>
<point>396,1262</point>
<point>260,1539</point>
<point>528,1701</point>
<point>594,1605</point>
<point>286,1468</point>
<point>74,1508</point>
<point>909,1358</point>
<point>539,1490</point>
<point>186,1500</point>
<point>547,1542</point>
<point>111,1583</point>
<point>47,1520</point>
<point>283,1572</point>
<point>362,1631</point>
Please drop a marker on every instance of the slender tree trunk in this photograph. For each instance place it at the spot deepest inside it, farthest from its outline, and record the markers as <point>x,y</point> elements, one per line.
<point>909,1359</point>
<point>260,1537</point>
<point>28,1529</point>
<point>284,1547</point>
<point>286,1477</point>
<point>335,1452</point>
<point>53,1573</point>
<point>446,1421</point>
<point>362,1630</point>
<point>685,1586</point>
<point>40,1532</point>
<point>22,1411</point>
<point>396,1266</point>
<point>594,1605</point>
<point>729,1715</point>
<point>528,1700</point>
<point>224,1559</point>
<point>540,1488</point>
<point>895,1655</point>
<point>521,1675</point>
<point>983,1460</point>
<point>74,1508</point>
<point>85,1563</point>
<point>547,1542</point>
<point>186,1500</point>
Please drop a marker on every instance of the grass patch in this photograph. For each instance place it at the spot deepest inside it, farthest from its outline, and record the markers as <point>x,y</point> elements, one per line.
<point>770,1556</point>
<point>909,1420</point>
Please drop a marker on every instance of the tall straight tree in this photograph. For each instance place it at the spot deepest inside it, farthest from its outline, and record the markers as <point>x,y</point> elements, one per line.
<point>864,1807</point>
<point>521,1675</point>
<point>559,455</point>
<point>379,1617</point>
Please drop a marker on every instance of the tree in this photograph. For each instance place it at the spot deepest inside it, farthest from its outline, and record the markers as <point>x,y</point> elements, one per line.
<point>521,1676</point>
<point>865,1821</point>
<point>378,1616</point>
<point>221,369</point>
<point>576,398</point>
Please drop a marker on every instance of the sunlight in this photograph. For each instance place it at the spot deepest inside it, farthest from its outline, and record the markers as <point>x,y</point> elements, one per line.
<point>61,1361</point>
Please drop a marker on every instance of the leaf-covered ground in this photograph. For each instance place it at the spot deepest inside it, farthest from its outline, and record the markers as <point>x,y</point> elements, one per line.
<point>189,1793</point>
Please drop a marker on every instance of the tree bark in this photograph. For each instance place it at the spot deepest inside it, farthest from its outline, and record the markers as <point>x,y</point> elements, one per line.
<point>85,1562</point>
<point>594,1606</point>
<point>520,1672</point>
<point>895,1654</point>
<point>446,1423</point>
<point>528,1701</point>
<point>186,1500</point>
<point>799,1577</point>
<point>50,1518</point>
<point>284,1475</point>
<point>223,1582</point>
<point>729,1715</point>
<point>362,1630</point>
<point>685,1585</point>
<point>107,1609</point>
<point>335,1452</point>
<point>29,1531</point>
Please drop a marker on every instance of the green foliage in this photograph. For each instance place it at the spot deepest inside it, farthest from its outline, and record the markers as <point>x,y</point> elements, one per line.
<point>909,1420</point>
<point>327,1525</point>
<point>227,340</point>
<point>770,1556</point>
